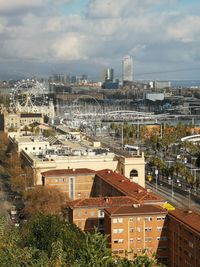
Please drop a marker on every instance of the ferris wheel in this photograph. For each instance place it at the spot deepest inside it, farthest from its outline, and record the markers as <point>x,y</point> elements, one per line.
<point>28,93</point>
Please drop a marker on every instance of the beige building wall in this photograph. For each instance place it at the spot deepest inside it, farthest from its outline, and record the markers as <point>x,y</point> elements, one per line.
<point>114,163</point>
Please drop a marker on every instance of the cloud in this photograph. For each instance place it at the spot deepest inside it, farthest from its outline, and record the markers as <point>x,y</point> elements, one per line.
<point>157,32</point>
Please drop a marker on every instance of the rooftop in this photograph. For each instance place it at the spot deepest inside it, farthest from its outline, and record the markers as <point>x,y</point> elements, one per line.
<point>102,202</point>
<point>127,187</point>
<point>190,218</point>
<point>138,209</point>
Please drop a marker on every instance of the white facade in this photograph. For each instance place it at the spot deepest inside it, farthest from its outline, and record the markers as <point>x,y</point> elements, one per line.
<point>127,68</point>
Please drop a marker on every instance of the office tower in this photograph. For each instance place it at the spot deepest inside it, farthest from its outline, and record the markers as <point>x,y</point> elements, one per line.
<point>127,69</point>
<point>108,75</point>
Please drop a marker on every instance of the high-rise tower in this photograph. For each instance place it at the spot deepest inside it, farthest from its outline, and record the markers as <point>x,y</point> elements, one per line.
<point>108,75</point>
<point>127,69</point>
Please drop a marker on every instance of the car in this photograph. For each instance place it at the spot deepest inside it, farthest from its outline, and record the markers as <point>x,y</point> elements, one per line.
<point>169,178</point>
<point>179,185</point>
<point>178,181</point>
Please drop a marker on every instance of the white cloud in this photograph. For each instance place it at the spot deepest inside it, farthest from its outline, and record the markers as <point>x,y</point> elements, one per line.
<point>152,30</point>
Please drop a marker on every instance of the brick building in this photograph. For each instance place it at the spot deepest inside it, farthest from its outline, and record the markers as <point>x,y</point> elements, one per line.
<point>132,229</point>
<point>111,202</point>
<point>184,238</point>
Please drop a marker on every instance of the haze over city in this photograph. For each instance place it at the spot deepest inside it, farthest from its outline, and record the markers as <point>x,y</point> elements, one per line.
<point>43,37</point>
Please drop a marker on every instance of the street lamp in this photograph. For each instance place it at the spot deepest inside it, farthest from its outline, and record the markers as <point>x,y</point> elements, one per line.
<point>172,189</point>
<point>189,192</point>
<point>156,174</point>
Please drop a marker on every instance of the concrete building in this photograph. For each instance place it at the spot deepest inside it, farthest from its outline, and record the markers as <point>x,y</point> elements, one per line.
<point>72,151</point>
<point>127,69</point>
<point>14,121</point>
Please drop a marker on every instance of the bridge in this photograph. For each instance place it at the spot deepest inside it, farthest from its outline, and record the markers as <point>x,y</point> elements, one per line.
<point>191,138</point>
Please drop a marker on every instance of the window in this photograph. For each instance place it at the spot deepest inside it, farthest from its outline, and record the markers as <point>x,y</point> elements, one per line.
<point>162,238</point>
<point>148,229</point>
<point>100,213</point>
<point>92,213</point>
<point>131,219</point>
<point>118,220</point>
<point>139,250</point>
<point>71,187</point>
<point>118,231</point>
<point>134,173</point>
<point>26,148</point>
<point>118,241</point>
<point>160,218</point>
<point>131,230</point>
<point>139,239</point>
<point>79,213</point>
<point>131,240</point>
<point>139,229</point>
<point>115,251</point>
<point>121,251</point>
<point>148,219</point>
<point>33,148</point>
<point>148,239</point>
<point>138,219</point>
<point>190,244</point>
<point>159,228</point>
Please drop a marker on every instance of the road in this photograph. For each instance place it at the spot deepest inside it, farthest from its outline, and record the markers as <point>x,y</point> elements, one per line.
<point>5,203</point>
<point>177,199</point>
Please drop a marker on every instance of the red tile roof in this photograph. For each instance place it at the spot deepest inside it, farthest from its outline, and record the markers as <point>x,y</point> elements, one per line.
<point>118,181</point>
<point>68,172</point>
<point>131,210</point>
<point>101,202</point>
<point>127,187</point>
<point>189,218</point>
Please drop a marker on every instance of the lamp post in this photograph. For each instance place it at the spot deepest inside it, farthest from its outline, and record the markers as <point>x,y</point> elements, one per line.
<point>156,174</point>
<point>189,191</point>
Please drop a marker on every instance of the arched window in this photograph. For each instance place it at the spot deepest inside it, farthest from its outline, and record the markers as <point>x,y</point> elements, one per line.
<point>134,173</point>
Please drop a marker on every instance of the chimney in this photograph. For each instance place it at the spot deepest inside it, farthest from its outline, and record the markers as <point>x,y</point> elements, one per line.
<point>188,211</point>
<point>136,206</point>
<point>122,181</point>
<point>106,199</point>
<point>108,171</point>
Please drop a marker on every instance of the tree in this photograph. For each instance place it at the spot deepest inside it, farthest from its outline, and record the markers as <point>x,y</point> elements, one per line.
<point>95,251</point>
<point>44,199</point>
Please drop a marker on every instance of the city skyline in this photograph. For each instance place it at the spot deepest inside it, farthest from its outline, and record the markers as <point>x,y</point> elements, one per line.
<point>85,36</point>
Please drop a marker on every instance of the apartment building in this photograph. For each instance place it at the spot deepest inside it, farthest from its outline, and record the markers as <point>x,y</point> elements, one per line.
<point>75,183</point>
<point>132,229</point>
<point>184,238</point>
<point>85,183</point>
<point>89,213</point>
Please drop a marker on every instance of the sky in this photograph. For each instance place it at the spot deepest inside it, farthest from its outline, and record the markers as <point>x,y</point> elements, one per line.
<point>45,37</point>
